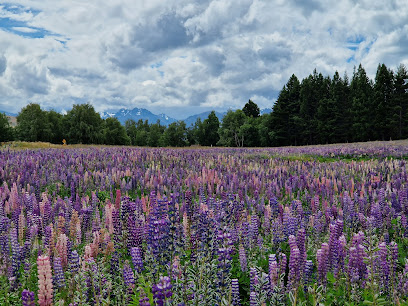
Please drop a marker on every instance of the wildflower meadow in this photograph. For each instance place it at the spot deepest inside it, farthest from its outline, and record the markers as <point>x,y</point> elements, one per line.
<point>322,225</point>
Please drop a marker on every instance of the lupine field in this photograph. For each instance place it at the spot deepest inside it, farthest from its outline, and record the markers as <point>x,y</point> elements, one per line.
<point>324,225</point>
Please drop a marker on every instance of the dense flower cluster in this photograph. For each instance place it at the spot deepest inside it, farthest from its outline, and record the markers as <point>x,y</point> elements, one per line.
<point>216,226</point>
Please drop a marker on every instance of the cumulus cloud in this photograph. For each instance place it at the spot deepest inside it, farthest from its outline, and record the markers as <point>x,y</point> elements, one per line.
<point>183,57</point>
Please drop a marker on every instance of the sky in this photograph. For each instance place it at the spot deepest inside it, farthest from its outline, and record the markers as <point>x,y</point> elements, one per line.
<point>185,57</point>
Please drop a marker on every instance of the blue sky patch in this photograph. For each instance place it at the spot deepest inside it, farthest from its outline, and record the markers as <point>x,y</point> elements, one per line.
<point>354,43</point>
<point>18,9</point>
<point>22,29</point>
<point>18,27</point>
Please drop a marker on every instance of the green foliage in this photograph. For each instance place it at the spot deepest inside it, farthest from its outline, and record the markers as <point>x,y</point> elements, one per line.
<point>55,127</point>
<point>83,124</point>
<point>211,126</point>
<point>251,109</point>
<point>362,110</point>
<point>175,135</point>
<point>138,132</point>
<point>231,132</point>
<point>384,102</point>
<point>115,133</point>
<point>32,124</point>
<point>285,124</point>
<point>6,131</point>
<point>155,132</point>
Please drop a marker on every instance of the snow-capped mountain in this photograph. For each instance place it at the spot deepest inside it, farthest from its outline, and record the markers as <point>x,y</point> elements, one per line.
<point>141,113</point>
<point>136,114</point>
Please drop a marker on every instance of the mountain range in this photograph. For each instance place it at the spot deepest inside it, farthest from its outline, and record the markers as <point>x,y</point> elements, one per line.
<point>141,113</point>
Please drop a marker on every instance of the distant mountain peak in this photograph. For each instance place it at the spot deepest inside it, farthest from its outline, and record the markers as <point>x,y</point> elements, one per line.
<point>137,114</point>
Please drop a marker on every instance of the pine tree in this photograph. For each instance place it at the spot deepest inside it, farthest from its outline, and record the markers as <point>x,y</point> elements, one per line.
<point>285,122</point>
<point>362,106</point>
<point>313,89</point>
<point>339,93</point>
<point>251,109</point>
<point>386,115</point>
<point>400,104</point>
<point>211,126</point>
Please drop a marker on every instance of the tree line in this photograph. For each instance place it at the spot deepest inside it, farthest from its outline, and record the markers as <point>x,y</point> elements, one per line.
<point>316,110</point>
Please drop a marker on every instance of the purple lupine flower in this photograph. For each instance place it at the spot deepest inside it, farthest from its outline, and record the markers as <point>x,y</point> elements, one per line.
<point>28,298</point>
<point>162,291</point>
<point>252,299</point>
<point>236,300</point>
<point>224,256</point>
<point>59,278</point>
<point>158,239</point>
<point>356,267</point>
<point>273,271</point>
<point>242,258</point>
<point>253,229</point>
<point>117,226</point>
<point>74,262</point>
<point>15,252</point>
<point>143,299</point>
<point>332,245</point>
<point>114,263</point>
<point>322,257</point>
<point>254,279</point>
<point>294,271</point>
<point>289,223</point>
<point>307,278</point>
<point>27,267</point>
<point>128,276</point>
<point>137,258</point>
<point>393,260</point>
<point>244,234</point>
<point>339,256</point>
<point>383,261</point>
<point>133,239</point>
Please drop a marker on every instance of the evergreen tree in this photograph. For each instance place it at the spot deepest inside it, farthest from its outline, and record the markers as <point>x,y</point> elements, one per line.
<point>386,116</point>
<point>6,131</point>
<point>362,107</point>
<point>251,109</point>
<point>211,126</point>
<point>339,93</point>
<point>399,120</point>
<point>285,123</point>
<point>326,121</point>
<point>314,89</point>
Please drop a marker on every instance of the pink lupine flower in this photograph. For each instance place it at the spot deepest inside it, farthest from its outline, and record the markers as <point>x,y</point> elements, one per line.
<point>44,281</point>
<point>62,249</point>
